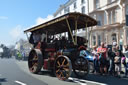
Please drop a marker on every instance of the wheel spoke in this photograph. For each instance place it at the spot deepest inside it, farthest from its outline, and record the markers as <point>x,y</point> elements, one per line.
<point>35,64</point>
<point>62,74</point>
<point>57,70</point>
<point>63,62</point>
<point>35,58</point>
<point>66,69</point>
<point>66,66</point>
<point>59,75</point>
<point>58,63</point>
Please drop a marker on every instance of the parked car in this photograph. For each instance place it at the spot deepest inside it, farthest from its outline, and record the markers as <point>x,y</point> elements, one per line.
<point>88,55</point>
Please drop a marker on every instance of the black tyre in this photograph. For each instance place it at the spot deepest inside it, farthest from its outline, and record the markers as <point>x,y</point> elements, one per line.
<point>35,61</point>
<point>81,67</point>
<point>91,67</point>
<point>63,67</point>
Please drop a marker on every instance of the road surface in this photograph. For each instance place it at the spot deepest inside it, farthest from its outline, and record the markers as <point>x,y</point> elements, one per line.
<point>14,72</point>
<point>11,74</point>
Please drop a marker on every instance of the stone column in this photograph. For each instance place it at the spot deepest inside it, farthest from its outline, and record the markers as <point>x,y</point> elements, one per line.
<point>96,39</point>
<point>117,37</point>
<point>125,36</point>
<point>102,37</point>
<point>107,17</point>
<point>123,11</point>
<point>106,38</point>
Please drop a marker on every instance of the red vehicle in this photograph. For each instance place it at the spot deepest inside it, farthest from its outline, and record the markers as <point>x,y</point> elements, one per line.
<point>60,54</point>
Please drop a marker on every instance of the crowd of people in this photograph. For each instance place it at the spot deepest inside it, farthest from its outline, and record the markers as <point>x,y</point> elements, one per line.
<point>109,61</point>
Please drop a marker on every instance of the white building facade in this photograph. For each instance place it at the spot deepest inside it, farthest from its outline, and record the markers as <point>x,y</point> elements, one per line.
<point>112,17</point>
<point>73,6</point>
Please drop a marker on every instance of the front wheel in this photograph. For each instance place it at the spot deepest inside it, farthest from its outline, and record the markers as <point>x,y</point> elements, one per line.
<point>81,67</point>
<point>35,61</point>
<point>63,67</point>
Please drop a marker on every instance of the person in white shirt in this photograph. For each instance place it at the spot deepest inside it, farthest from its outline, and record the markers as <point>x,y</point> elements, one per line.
<point>36,38</point>
<point>96,59</point>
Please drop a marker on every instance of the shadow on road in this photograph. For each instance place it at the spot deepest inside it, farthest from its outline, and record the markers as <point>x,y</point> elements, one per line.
<point>47,73</point>
<point>109,80</point>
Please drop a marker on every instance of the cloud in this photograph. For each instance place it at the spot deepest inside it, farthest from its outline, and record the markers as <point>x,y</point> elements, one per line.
<point>40,20</point>
<point>3,17</point>
<point>16,32</point>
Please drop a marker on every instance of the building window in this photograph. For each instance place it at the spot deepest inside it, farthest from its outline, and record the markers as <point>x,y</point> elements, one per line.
<point>110,1</point>
<point>60,12</point>
<point>99,40</point>
<point>94,40</point>
<point>126,15</point>
<point>97,4</point>
<point>83,10</point>
<point>114,37</point>
<point>114,16</point>
<point>67,10</point>
<point>110,17</point>
<point>99,20</point>
<point>75,5</point>
<point>82,1</point>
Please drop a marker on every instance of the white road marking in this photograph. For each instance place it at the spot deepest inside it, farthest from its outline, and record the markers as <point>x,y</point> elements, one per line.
<point>81,82</point>
<point>21,83</point>
<point>77,81</point>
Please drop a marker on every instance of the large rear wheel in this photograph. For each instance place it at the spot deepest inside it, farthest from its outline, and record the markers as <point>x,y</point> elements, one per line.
<point>81,67</point>
<point>35,61</point>
<point>63,67</point>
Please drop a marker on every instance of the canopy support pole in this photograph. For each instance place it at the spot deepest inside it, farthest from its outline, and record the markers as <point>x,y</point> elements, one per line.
<point>46,36</point>
<point>86,31</point>
<point>76,31</point>
<point>70,31</point>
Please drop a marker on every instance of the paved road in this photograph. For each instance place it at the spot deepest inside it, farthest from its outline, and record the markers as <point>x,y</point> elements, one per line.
<point>11,74</point>
<point>90,80</point>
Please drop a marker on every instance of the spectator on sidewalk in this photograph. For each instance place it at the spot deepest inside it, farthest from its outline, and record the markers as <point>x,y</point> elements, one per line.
<point>96,59</point>
<point>102,50</point>
<point>19,55</point>
<point>117,60</point>
<point>125,61</point>
<point>111,55</point>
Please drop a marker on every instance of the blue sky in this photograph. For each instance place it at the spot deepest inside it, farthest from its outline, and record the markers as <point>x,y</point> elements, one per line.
<point>17,15</point>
